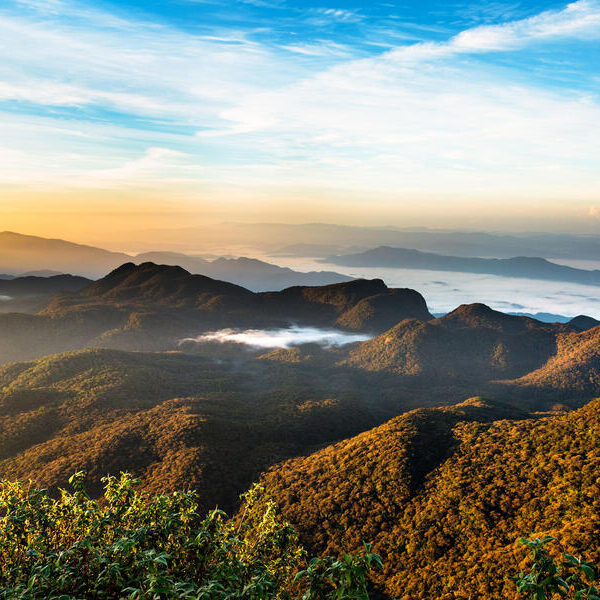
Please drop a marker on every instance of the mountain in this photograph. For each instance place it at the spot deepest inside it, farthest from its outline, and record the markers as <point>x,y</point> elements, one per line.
<point>583,322</point>
<point>521,266</point>
<point>42,286</point>
<point>273,236</point>
<point>20,253</point>
<point>361,305</point>
<point>251,273</point>
<point>45,257</point>
<point>148,286</point>
<point>445,493</point>
<point>178,421</point>
<point>473,342</point>
<point>152,307</point>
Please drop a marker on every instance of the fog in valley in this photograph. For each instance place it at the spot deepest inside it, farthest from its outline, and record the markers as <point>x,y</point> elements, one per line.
<point>280,338</point>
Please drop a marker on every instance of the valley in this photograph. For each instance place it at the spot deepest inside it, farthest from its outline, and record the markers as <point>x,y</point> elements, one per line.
<point>420,429</point>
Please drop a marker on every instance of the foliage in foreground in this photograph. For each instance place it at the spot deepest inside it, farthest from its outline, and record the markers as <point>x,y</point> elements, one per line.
<point>574,578</point>
<point>136,546</point>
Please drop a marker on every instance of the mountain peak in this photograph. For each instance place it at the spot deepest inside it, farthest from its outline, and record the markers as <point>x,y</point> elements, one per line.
<point>583,322</point>
<point>165,285</point>
<point>475,309</point>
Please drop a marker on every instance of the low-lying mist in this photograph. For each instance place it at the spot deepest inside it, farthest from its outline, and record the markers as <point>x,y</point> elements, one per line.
<point>444,290</point>
<point>280,338</point>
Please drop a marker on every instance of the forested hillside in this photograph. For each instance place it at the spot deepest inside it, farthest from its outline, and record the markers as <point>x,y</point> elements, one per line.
<point>152,307</point>
<point>444,494</point>
<point>472,342</point>
<point>177,420</point>
<point>369,441</point>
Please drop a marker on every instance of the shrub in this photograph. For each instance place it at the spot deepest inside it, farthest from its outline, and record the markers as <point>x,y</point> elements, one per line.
<point>136,546</point>
<point>573,578</point>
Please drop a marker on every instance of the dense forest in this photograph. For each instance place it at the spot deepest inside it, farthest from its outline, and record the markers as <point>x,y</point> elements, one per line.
<point>179,420</point>
<point>444,494</point>
<point>369,442</point>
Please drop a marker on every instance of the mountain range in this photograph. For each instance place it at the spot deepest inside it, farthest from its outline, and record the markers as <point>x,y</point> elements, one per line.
<point>19,253</point>
<point>521,266</point>
<point>369,441</point>
<point>323,239</point>
<point>152,307</point>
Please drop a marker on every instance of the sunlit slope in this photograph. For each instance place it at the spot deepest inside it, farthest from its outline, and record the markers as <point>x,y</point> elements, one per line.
<point>574,371</point>
<point>445,494</point>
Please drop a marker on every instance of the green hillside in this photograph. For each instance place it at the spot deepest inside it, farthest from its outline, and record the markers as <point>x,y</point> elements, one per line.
<point>473,342</point>
<point>444,494</point>
<point>178,420</point>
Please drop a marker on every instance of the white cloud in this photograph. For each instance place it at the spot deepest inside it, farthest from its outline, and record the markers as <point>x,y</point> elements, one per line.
<point>280,338</point>
<point>137,68</point>
<point>398,118</point>
<point>579,19</point>
<point>155,164</point>
<point>324,48</point>
<point>422,117</point>
<point>339,14</point>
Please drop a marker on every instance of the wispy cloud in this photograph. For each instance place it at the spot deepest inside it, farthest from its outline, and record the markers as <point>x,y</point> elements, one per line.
<point>339,14</point>
<point>280,338</point>
<point>113,99</point>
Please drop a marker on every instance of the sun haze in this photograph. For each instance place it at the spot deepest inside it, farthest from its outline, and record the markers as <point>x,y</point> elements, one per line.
<point>117,116</point>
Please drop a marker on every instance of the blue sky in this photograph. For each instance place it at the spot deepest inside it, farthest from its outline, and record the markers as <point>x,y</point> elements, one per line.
<point>434,112</point>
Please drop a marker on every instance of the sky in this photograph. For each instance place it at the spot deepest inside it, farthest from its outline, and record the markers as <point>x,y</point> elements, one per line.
<point>125,114</point>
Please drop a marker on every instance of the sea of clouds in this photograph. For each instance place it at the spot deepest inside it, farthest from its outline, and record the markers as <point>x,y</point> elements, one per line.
<point>444,290</point>
<point>280,338</point>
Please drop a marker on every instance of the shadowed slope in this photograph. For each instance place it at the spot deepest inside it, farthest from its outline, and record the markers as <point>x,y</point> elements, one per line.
<point>175,419</point>
<point>472,342</point>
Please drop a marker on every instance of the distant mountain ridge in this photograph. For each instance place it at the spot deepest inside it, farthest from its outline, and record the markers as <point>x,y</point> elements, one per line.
<point>19,253</point>
<point>250,273</point>
<point>41,286</point>
<point>520,266</point>
<point>310,238</point>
